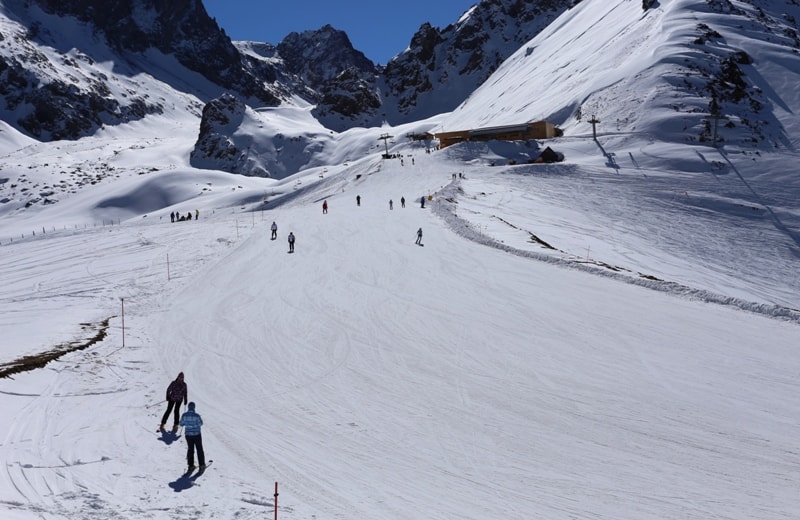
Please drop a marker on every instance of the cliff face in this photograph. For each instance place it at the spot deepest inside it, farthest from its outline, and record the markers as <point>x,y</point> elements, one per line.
<point>179,27</point>
<point>437,72</point>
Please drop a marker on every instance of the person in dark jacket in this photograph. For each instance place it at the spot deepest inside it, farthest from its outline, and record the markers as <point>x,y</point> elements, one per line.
<point>291,242</point>
<point>192,422</point>
<point>176,392</point>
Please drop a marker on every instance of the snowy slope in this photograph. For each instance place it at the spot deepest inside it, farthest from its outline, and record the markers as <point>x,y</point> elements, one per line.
<point>610,337</point>
<point>374,378</point>
<point>646,74</point>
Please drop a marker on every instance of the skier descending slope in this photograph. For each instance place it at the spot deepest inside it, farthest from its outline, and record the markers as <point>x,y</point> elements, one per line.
<point>192,421</point>
<point>176,392</point>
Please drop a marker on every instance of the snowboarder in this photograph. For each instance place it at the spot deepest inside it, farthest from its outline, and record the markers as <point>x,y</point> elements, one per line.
<point>402,202</point>
<point>176,392</point>
<point>192,422</point>
<point>274,229</point>
<point>419,237</point>
<point>324,207</point>
<point>291,242</point>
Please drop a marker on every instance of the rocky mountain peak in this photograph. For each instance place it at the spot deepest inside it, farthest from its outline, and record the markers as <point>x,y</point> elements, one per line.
<point>179,27</point>
<point>318,57</point>
<point>442,67</point>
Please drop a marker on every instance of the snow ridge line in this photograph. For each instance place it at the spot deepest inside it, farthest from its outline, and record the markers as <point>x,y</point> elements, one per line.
<point>444,206</point>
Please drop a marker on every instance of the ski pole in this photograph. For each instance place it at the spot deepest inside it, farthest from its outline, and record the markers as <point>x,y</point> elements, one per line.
<point>154,404</point>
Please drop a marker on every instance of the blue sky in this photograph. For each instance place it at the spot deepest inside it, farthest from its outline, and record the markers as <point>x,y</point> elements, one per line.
<point>378,29</point>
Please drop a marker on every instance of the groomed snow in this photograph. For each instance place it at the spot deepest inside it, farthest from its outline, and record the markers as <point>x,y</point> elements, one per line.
<point>478,376</point>
<point>611,337</point>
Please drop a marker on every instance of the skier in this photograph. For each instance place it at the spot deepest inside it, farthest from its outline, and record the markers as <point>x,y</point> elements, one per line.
<point>176,392</point>
<point>358,200</point>
<point>192,421</point>
<point>391,204</point>
<point>402,202</point>
<point>419,237</point>
<point>324,207</point>
<point>197,214</point>
<point>291,242</point>
<point>422,201</point>
<point>274,230</point>
<point>172,217</point>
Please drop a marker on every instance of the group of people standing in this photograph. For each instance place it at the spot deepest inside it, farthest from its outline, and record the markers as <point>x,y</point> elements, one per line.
<point>177,394</point>
<point>177,217</point>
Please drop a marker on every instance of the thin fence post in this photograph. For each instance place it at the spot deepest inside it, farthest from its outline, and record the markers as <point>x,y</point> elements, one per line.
<point>123,321</point>
<point>276,501</point>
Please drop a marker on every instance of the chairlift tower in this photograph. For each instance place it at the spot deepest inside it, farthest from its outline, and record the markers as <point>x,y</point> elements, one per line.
<point>594,122</point>
<point>385,138</point>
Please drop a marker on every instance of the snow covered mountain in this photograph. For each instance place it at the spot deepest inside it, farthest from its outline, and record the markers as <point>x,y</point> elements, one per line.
<point>685,71</point>
<point>714,71</point>
<point>613,336</point>
<point>69,68</point>
<point>438,70</point>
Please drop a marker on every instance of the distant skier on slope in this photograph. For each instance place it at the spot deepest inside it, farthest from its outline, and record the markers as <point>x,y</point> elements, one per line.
<point>176,392</point>
<point>194,440</point>
<point>274,229</point>
<point>419,237</point>
<point>291,242</point>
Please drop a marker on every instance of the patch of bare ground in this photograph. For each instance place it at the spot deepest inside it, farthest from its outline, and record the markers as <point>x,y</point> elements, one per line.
<point>34,361</point>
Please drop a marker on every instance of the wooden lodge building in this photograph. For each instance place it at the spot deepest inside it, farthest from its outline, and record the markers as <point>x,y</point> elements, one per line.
<point>521,132</point>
